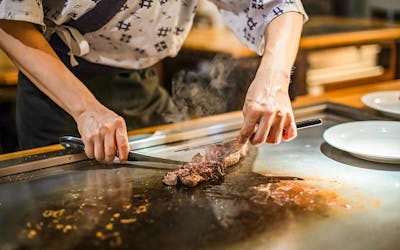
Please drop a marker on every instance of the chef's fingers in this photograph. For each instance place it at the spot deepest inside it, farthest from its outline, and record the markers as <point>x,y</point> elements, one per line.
<point>263,129</point>
<point>289,130</point>
<point>276,130</point>
<point>109,145</point>
<point>252,115</point>
<point>122,140</point>
<point>89,148</point>
<point>99,147</point>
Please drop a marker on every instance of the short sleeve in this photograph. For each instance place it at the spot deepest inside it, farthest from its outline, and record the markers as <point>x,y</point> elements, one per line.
<point>22,10</point>
<point>248,19</point>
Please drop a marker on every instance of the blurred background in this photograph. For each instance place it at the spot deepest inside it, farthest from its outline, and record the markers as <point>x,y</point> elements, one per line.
<point>345,43</point>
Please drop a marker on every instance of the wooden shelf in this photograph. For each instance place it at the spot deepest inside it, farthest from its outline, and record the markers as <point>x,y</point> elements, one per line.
<point>320,32</point>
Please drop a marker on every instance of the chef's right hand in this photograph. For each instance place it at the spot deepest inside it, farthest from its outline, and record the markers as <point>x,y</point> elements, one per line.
<point>103,132</point>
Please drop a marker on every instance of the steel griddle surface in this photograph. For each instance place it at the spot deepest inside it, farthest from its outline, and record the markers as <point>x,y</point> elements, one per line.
<point>92,205</point>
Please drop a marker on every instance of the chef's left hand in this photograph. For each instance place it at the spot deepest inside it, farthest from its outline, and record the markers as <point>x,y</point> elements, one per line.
<point>267,111</point>
<point>268,115</point>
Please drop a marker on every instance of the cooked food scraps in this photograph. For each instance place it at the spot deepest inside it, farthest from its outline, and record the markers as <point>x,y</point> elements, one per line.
<point>207,166</point>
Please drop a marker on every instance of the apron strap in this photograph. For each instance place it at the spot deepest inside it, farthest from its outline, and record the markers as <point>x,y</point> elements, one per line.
<point>74,41</point>
<point>71,33</point>
<point>96,18</point>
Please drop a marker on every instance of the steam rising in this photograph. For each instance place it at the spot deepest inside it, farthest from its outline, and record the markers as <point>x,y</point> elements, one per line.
<point>214,87</point>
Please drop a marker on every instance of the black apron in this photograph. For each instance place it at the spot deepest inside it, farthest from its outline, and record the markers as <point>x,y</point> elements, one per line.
<point>133,94</point>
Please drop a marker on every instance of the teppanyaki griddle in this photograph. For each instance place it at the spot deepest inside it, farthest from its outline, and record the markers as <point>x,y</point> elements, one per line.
<point>84,204</point>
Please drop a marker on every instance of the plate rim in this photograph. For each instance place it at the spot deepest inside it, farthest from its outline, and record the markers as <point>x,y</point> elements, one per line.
<point>371,105</point>
<point>355,152</point>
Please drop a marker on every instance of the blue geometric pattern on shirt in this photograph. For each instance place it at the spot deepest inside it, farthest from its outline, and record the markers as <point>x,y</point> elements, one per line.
<point>163,31</point>
<point>257,4</point>
<point>161,46</point>
<point>125,38</point>
<point>251,23</point>
<point>140,51</point>
<point>146,3</point>
<point>124,7</point>
<point>248,36</point>
<point>178,31</point>
<point>123,26</point>
<point>277,11</point>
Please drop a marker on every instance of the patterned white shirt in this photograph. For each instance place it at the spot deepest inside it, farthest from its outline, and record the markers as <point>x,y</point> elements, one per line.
<point>143,32</point>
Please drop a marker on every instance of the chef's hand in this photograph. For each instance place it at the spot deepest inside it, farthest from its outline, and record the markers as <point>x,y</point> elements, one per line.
<point>268,115</point>
<point>267,111</point>
<point>103,132</point>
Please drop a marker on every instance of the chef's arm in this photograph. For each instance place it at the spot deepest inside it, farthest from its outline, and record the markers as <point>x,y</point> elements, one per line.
<point>101,129</point>
<point>268,115</point>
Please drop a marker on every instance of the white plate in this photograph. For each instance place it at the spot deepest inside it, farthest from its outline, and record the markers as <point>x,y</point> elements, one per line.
<point>377,141</point>
<point>387,102</point>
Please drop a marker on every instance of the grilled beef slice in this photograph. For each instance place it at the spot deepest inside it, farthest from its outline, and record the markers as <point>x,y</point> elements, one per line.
<point>207,166</point>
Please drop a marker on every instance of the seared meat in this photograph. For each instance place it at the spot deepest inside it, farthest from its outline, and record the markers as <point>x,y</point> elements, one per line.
<point>209,166</point>
<point>192,174</point>
<point>196,171</point>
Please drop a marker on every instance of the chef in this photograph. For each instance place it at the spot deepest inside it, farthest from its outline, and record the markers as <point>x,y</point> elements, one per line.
<point>86,66</point>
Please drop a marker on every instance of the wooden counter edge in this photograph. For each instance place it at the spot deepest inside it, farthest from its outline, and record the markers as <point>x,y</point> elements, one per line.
<point>224,40</point>
<point>147,130</point>
<point>348,96</point>
<point>32,151</point>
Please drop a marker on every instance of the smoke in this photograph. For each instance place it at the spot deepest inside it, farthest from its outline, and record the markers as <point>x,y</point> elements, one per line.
<point>213,87</point>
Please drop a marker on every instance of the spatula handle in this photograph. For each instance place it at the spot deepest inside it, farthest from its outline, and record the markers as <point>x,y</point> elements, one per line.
<point>72,142</point>
<point>308,123</point>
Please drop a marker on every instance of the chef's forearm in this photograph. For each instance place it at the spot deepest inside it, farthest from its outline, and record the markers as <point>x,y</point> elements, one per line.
<point>282,37</point>
<point>33,55</point>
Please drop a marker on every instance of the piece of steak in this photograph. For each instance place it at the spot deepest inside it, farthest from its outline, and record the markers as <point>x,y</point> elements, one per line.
<point>207,166</point>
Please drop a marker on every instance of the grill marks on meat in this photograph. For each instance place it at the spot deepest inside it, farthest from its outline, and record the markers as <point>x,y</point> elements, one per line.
<point>207,166</point>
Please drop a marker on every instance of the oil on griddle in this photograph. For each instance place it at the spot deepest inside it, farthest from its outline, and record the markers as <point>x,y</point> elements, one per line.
<point>122,208</point>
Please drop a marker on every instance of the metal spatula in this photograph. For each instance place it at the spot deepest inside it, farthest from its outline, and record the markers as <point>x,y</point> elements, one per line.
<point>180,147</point>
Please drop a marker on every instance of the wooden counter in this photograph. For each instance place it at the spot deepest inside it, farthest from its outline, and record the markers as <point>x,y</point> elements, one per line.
<point>349,96</point>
